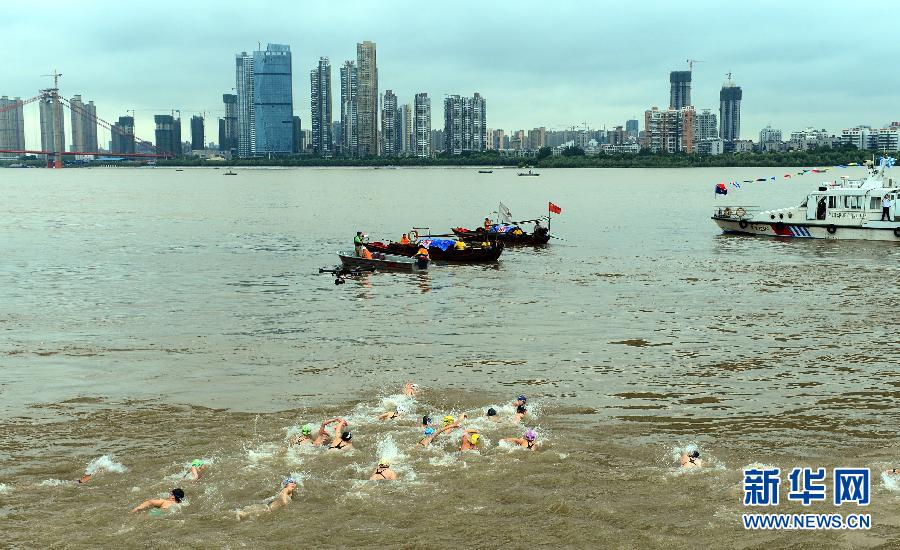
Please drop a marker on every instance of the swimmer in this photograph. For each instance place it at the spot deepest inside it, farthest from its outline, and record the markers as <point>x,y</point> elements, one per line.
<point>323,438</point>
<point>492,414</point>
<point>448,420</point>
<point>469,440</point>
<point>305,437</point>
<point>197,469</point>
<point>521,411</point>
<point>175,497</point>
<point>892,471</point>
<point>520,401</point>
<point>392,415</point>
<point>691,460</point>
<point>529,440</point>
<point>410,389</point>
<point>383,471</point>
<point>84,479</point>
<point>426,421</point>
<point>283,498</point>
<point>344,443</point>
<point>431,433</point>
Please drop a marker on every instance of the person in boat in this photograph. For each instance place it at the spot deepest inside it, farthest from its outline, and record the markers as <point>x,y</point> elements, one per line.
<point>529,440</point>
<point>422,257</point>
<point>358,243</point>
<point>460,245</point>
<point>305,437</point>
<point>175,497</point>
<point>364,253</point>
<point>383,471</point>
<point>282,499</point>
<point>690,460</point>
<point>820,209</point>
<point>469,441</point>
<point>390,415</point>
<point>517,231</point>
<point>886,204</point>
<point>487,224</point>
<point>404,239</point>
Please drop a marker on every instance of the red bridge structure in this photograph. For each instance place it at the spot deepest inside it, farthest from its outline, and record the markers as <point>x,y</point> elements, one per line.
<point>52,95</point>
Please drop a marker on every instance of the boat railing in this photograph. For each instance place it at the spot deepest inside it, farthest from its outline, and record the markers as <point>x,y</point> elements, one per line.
<point>735,212</point>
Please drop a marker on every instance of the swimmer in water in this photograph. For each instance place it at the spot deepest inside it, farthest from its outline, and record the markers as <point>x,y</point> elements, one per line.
<point>383,471</point>
<point>469,440</point>
<point>521,411</point>
<point>691,460</point>
<point>392,415</point>
<point>520,401</point>
<point>892,471</point>
<point>492,414</point>
<point>426,421</point>
<point>197,469</point>
<point>175,497</point>
<point>431,433</point>
<point>343,444</point>
<point>283,498</point>
<point>529,440</point>
<point>305,437</point>
<point>324,438</point>
<point>84,479</point>
<point>410,389</point>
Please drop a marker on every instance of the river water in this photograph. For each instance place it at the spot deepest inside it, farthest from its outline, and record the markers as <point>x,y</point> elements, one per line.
<point>149,317</point>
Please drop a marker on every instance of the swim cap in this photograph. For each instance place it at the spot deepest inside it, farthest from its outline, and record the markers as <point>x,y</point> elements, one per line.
<point>306,429</point>
<point>429,431</point>
<point>448,419</point>
<point>522,398</point>
<point>384,463</point>
<point>426,420</point>
<point>530,435</point>
<point>197,463</point>
<point>521,409</point>
<point>492,412</point>
<point>178,494</point>
<point>695,454</point>
<point>346,436</point>
<point>474,439</point>
<point>401,409</point>
<point>288,481</point>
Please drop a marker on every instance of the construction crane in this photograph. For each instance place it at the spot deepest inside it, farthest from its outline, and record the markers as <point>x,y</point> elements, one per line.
<point>691,62</point>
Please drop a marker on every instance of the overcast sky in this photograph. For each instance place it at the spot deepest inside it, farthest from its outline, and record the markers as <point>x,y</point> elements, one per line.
<point>555,64</point>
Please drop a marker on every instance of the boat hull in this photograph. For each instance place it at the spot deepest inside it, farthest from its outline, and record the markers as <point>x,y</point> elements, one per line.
<point>469,255</point>
<point>508,239</point>
<point>389,263</point>
<point>889,232</point>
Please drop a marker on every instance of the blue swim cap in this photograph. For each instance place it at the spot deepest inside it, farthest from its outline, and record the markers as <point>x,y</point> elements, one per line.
<point>429,431</point>
<point>522,398</point>
<point>288,481</point>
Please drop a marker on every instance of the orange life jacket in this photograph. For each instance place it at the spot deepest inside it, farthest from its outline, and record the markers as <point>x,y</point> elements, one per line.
<point>366,254</point>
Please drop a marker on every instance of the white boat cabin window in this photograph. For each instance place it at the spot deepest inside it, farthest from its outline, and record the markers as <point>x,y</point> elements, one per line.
<point>853,202</point>
<point>832,202</point>
<point>875,203</point>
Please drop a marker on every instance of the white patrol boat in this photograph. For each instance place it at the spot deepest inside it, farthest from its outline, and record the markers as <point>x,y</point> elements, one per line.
<point>847,209</point>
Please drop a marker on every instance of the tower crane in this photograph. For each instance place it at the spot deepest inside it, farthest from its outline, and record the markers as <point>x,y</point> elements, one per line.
<point>691,62</point>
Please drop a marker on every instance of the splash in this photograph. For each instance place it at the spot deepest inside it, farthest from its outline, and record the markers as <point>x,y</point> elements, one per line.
<point>891,482</point>
<point>5,489</point>
<point>105,463</point>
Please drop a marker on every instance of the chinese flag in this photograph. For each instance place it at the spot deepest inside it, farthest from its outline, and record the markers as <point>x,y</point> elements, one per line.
<point>555,209</point>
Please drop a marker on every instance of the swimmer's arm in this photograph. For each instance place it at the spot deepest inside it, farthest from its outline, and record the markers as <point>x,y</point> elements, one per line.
<point>384,416</point>
<point>149,503</point>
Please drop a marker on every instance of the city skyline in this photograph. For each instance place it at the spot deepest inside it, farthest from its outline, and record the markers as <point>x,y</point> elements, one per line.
<point>589,66</point>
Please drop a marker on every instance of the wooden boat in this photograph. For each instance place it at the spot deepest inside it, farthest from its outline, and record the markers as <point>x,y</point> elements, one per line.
<point>485,171</point>
<point>382,262</point>
<point>528,173</point>
<point>473,253</point>
<point>540,236</point>
<point>230,173</point>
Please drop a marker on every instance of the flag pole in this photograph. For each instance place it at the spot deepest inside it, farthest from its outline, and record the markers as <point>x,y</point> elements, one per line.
<point>549,217</point>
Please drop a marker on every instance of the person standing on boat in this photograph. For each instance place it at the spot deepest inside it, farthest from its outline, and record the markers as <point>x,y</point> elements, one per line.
<point>358,243</point>
<point>404,239</point>
<point>886,204</point>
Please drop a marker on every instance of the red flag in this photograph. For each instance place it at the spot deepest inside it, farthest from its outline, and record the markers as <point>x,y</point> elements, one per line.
<point>555,209</point>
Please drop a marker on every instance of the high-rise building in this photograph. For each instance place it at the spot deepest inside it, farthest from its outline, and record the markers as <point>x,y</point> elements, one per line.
<point>84,125</point>
<point>632,129</point>
<point>500,140</point>
<point>669,131</point>
<point>168,134</point>
<point>617,136</point>
<point>730,111</point>
<point>320,107</point>
<point>769,134</point>
<point>465,124</point>
<point>228,133</point>
<point>422,125</point>
<point>337,135</point>
<point>298,140</point>
<point>197,140</point>
<point>273,103</point>
<point>367,99</point>
<point>349,93</point>
<point>123,135</point>
<point>706,126</point>
<point>537,138</point>
<point>406,132</point>
<point>391,126</point>
<point>12,125</point>
<point>680,94</point>
<point>246,123</point>
<point>437,141</point>
<point>53,129</point>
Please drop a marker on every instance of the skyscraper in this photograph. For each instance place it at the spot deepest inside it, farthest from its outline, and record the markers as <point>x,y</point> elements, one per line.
<point>246,123</point>
<point>273,103</point>
<point>168,134</point>
<point>465,124</point>
<point>632,129</point>
<point>680,94</point>
<point>84,125</point>
<point>730,111</point>
<point>320,107</point>
<point>367,99</point>
<point>297,135</point>
<point>12,125</point>
<point>53,129</point>
<point>705,126</point>
<point>197,138</point>
<point>123,135</point>
<point>349,93</point>
<point>391,126</point>
<point>406,134</point>
<point>228,134</point>
<point>422,125</point>
<point>669,131</point>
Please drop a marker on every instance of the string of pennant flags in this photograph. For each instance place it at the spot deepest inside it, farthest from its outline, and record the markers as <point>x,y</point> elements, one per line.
<point>722,189</point>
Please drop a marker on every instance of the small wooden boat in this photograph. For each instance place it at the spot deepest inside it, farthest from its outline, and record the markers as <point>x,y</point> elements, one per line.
<point>540,236</point>
<point>230,173</point>
<point>382,262</point>
<point>473,253</point>
<point>528,173</point>
<point>485,171</point>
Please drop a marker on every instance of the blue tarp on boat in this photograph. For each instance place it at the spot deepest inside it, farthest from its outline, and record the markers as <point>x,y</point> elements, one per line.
<point>443,244</point>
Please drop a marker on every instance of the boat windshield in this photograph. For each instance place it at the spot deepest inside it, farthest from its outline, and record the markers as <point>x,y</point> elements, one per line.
<point>804,203</point>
